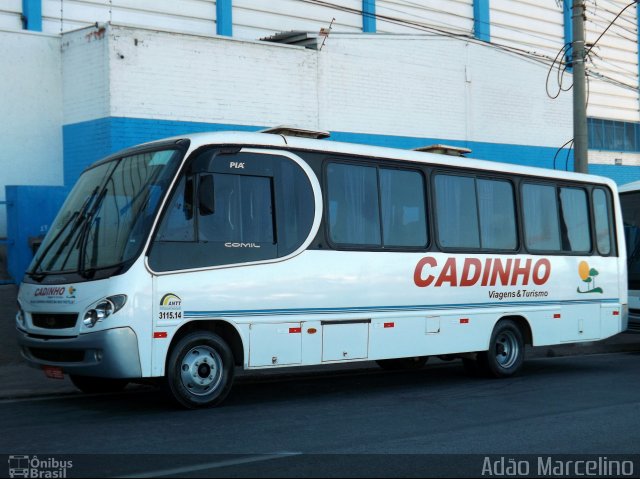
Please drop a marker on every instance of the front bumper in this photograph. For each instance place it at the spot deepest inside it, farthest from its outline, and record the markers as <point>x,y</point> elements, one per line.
<point>112,353</point>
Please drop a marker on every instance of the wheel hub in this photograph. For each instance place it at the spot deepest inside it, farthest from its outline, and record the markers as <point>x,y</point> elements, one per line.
<point>201,370</point>
<point>507,349</point>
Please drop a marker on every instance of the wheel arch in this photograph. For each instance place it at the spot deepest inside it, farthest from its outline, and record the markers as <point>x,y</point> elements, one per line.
<point>226,330</point>
<point>523,324</point>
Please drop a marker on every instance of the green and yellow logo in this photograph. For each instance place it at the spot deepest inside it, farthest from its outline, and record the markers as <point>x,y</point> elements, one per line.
<point>588,275</point>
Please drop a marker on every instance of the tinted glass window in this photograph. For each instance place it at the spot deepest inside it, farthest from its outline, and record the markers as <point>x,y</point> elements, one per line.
<point>354,215</point>
<point>457,212</point>
<point>540,209</point>
<point>601,215</point>
<point>497,215</point>
<point>576,233</point>
<point>234,208</point>
<point>403,208</point>
<point>242,211</point>
<point>178,223</point>
<point>630,203</point>
<point>295,206</point>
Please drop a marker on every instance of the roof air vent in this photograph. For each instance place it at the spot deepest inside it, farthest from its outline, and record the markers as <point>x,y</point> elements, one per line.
<point>287,130</point>
<point>444,150</point>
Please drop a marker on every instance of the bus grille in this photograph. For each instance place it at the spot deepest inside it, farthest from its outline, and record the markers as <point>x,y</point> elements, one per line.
<point>54,321</point>
<point>58,355</point>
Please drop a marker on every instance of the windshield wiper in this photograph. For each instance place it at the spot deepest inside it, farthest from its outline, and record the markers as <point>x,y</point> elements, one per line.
<point>83,234</point>
<point>79,216</point>
<point>33,273</point>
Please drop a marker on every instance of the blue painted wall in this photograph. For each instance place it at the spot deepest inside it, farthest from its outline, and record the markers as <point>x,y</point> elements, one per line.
<point>89,141</point>
<point>369,16</point>
<point>32,15</point>
<point>481,20</point>
<point>224,18</point>
<point>30,212</point>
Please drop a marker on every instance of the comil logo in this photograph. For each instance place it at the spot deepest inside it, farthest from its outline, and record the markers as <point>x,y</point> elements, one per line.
<point>171,301</point>
<point>588,275</point>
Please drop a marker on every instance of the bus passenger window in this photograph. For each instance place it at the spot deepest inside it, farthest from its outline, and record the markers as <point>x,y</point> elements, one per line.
<point>354,216</point>
<point>457,212</point>
<point>540,209</point>
<point>404,221</point>
<point>497,215</point>
<point>576,233</point>
<point>602,220</point>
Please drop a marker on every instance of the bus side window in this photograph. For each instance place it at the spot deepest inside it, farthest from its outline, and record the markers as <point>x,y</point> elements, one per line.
<point>497,211</point>
<point>354,216</point>
<point>243,210</point>
<point>541,225</point>
<point>457,211</point>
<point>574,213</point>
<point>404,221</point>
<point>178,224</point>
<point>602,221</point>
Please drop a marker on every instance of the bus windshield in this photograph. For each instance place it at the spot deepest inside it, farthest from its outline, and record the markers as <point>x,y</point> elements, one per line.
<point>630,203</point>
<point>107,216</point>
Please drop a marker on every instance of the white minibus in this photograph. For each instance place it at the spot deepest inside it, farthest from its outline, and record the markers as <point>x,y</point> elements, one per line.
<point>187,258</point>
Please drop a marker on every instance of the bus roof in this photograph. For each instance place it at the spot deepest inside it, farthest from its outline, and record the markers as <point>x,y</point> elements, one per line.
<point>255,139</point>
<point>633,186</point>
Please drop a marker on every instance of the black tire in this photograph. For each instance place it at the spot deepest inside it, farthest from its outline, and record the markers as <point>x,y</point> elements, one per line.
<point>505,356</point>
<point>407,364</point>
<point>200,370</point>
<point>91,385</point>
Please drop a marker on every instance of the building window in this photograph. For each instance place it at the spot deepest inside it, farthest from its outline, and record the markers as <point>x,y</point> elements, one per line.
<point>613,135</point>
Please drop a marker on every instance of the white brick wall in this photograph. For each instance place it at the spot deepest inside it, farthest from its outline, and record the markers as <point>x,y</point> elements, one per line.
<point>30,112</point>
<point>85,68</point>
<point>609,158</point>
<point>530,25</point>
<point>214,80</point>
<point>402,85</point>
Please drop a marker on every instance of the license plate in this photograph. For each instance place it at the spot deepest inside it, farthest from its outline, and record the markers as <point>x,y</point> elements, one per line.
<point>53,372</point>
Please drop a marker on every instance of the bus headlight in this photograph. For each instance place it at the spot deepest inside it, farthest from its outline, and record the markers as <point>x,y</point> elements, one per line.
<point>104,309</point>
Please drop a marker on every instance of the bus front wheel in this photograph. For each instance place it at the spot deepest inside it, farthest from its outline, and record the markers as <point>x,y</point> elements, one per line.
<point>505,356</point>
<point>200,370</point>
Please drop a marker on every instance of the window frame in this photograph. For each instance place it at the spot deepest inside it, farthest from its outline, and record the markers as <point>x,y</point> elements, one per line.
<point>377,164</point>
<point>193,166</point>
<point>586,187</point>
<point>613,242</point>
<point>475,175</point>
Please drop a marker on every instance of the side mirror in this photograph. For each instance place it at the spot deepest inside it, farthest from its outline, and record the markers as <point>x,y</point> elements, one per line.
<point>206,198</point>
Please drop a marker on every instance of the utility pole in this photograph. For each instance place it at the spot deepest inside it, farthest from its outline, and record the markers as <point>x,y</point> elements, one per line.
<point>580,135</point>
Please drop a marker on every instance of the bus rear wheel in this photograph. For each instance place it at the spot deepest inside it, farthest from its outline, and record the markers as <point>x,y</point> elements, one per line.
<point>412,363</point>
<point>505,356</point>
<point>200,370</point>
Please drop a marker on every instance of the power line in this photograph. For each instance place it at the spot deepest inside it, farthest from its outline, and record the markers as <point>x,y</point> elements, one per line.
<point>609,26</point>
<point>467,37</point>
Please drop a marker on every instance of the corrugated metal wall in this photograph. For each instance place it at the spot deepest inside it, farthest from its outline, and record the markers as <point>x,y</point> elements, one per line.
<point>613,85</point>
<point>535,26</point>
